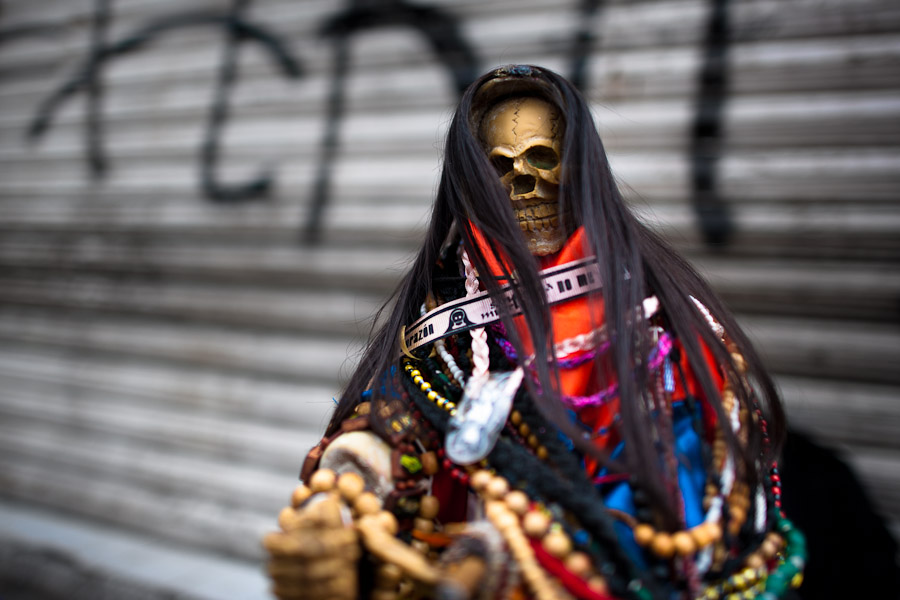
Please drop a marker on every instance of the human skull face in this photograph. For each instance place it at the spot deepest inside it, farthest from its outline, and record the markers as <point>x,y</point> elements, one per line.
<point>523,140</point>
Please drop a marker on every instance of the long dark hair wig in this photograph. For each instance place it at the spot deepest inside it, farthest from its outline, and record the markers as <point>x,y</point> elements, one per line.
<point>634,264</point>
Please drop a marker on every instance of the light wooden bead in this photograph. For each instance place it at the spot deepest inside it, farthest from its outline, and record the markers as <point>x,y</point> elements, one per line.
<point>702,535</point>
<point>386,594</point>
<point>524,430</point>
<point>768,548</point>
<point>387,576</point>
<point>533,441</point>
<point>469,572</point>
<point>517,502</point>
<point>429,463</point>
<point>715,531</point>
<point>515,417</point>
<point>288,519</point>
<point>557,544</point>
<point>367,504</point>
<point>684,543</point>
<point>423,525</point>
<point>429,506</point>
<point>643,534</point>
<point>388,521</point>
<point>350,486</point>
<point>755,561</point>
<point>494,508</point>
<point>579,563</point>
<point>322,480</point>
<point>506,521</point>
<point>497,488</point>
<point>598,584</point>
<point>535,524</point>
<point>301,494</point>
<point>542,453</point>
<point>662,545</point>
<point>480,480</point>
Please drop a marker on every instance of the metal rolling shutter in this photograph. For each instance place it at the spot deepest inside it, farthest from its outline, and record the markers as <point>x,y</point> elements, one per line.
<point>167,358</point>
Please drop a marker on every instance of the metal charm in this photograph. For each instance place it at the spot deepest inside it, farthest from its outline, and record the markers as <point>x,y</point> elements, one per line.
<point>480,416</point>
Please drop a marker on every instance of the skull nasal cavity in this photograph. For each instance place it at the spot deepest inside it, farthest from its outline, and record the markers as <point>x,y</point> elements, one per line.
<point>522,184</point>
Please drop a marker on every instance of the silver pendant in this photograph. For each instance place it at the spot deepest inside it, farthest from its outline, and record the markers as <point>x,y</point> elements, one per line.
<point>480,416</point>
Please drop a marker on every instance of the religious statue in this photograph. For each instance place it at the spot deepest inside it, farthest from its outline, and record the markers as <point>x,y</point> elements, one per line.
<point>556,404</point>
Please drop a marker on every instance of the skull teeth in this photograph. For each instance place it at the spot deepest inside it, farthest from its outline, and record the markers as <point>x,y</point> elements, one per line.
<point>538,217</point>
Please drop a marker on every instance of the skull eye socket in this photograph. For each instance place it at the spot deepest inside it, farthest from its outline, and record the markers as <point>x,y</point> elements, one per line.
<point>542,157</point>
<point>503,164</point>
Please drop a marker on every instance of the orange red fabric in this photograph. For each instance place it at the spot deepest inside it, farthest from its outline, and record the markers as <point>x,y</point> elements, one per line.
<point>580,316</point>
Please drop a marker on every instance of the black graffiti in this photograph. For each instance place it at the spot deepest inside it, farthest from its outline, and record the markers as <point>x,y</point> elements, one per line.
<point>94,123</point>
<point>438,27</point>
<point>452,50</point>
<point>87,77</point>
<point>714,216</point>
<point>583,42</point>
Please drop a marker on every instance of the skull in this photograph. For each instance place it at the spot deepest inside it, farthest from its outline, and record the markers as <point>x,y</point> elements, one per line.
<point>523,143</point>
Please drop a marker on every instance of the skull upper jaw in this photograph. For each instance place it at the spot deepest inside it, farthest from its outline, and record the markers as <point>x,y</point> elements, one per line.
<point>537,213</point>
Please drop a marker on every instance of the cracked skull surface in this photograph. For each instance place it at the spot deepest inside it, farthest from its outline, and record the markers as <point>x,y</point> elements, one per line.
<point>523,143</point>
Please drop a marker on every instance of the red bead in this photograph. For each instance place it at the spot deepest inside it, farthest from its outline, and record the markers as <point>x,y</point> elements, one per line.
<point>447,464</point>
<point>464,478</point>
<point>776,490</point>
<point>440,453</point>
<point>778,502</point>
<point>775,478</point>
<point>455,473</point>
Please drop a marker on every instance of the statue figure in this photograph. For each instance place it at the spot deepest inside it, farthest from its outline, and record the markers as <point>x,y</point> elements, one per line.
<point>556,406</point>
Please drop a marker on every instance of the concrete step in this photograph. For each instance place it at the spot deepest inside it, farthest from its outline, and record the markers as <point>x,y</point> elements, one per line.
<point>829,349</point>
<point>49,554</point>
<point>293,310</point>
<point>281,263</point>
<point>289,357</point>
<point>135,382</point>
<point>802,286</point>
<point>170,428</point>
<point>183,520</point>
<point>856,414</point>
<point>153,471</point>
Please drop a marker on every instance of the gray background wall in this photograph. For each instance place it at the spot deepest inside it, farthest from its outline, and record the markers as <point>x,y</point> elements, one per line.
<point>169,348</point>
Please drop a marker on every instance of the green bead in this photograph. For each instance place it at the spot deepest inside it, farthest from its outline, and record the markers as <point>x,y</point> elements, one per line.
<point>777,583</point>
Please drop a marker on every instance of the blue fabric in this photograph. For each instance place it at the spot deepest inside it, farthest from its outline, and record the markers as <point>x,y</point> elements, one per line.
<point>691,479</point>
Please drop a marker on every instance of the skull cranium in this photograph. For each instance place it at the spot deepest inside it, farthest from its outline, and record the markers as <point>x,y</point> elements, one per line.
<point>522,135</point>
